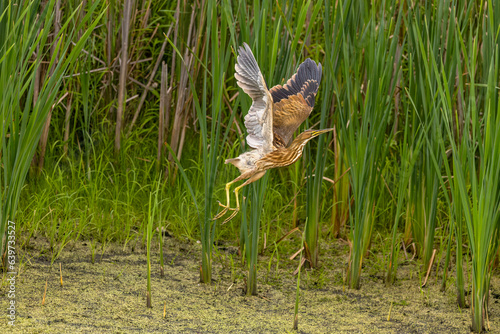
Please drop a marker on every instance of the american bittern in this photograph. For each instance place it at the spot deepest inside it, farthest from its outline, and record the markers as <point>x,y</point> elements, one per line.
<point>271,121</point>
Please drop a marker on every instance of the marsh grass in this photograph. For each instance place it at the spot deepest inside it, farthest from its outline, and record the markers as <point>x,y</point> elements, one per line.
<point>410,88</point>
<point>364,105</point>
<point>409,153</point>
<point>153,214</point>
<point>476,153</point>
<point>23,115</point>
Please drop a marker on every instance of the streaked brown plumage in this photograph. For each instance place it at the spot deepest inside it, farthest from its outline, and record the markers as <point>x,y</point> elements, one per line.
<point>272,119</point>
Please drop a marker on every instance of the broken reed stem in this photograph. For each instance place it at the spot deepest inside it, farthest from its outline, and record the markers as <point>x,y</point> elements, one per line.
<point>302,261</point>
<point>180,118</point>
<point>200,41</point>
<point>53,51</point>
<point>163,100</point>
<point>81,14</point>
<point>180,110</point>
<point>296,253</point>
<point>150,82</point>
<point>45,292</point>
<point>165,309</point>
<point>147,14</point>
<point>110,53</point>
<point>176,33</point>
<point>137,48</point>
<point>287,234</point>
<point>183,135</point>
<point>123,74</point>
<point>431,262</point>
<point>66,122</point>
<point>168,99</point>
<point>389,315</point>
<point>38,74</point>
<point>60,273</point>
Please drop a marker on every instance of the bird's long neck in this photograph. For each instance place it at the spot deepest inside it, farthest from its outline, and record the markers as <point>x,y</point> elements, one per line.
<point>297,147</point>
<point>282,157</point>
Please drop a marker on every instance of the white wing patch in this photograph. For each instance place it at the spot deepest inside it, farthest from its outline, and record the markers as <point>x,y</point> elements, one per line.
<point>258,121</point>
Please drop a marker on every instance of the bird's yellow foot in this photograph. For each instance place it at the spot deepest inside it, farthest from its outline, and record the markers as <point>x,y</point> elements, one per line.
<point>235,212</point>
<point>223,212</point>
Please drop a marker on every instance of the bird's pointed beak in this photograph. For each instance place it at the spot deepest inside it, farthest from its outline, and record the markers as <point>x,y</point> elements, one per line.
<point>321,131</point>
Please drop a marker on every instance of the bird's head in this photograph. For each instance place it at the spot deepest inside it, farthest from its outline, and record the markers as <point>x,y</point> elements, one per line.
<point>301,140</point>
<point>310,134</point>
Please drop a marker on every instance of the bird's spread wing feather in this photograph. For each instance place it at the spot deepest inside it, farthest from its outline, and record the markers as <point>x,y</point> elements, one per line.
<point>259,120</point>
<point>294,101</point>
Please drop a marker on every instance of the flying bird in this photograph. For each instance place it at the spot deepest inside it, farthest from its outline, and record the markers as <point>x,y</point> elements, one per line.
<point>272,119</point>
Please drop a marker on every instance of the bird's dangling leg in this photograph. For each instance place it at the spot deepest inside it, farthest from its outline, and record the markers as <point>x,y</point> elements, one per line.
<point>237,209</point>
<point>237,189</point>
<point>226,207</point>
<point>228,186</point>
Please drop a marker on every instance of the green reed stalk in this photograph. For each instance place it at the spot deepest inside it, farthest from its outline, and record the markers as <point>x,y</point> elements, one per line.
<point>341,199</point>
<point>331,22</point>
<point>364,104</point>
<point>315,174</point>
<point>152,217</point>
<point>429,68</point>
<point>257,193</point>
<point>482,175</point>
<point>265,50</point>
<point>87,99</point>
<point>334,20</point>
<point>215,65</point>
<point>297,288</point>
<point>25,27</point>
<point>476,153</point>
<point>458,225</point>
<point>161,230</point>
<point>409,153</point>
<point>425,25</point>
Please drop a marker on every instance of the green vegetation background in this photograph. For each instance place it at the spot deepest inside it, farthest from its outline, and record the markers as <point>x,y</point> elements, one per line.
<point>150,105</point>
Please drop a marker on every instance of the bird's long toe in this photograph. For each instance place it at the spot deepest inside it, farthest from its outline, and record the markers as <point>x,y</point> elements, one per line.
<point>235,212</point>
<point>224,206</point>
<point>222,213</point>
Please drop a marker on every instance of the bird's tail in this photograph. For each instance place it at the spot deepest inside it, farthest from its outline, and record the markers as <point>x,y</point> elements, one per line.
<point>232,161</point>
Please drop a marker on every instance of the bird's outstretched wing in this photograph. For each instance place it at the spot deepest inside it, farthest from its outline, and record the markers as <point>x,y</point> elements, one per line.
<point>294,101</point>
<point>259,120</point>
